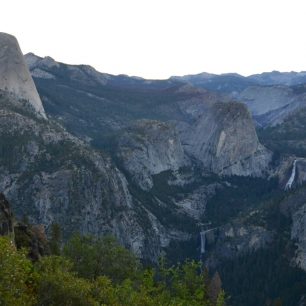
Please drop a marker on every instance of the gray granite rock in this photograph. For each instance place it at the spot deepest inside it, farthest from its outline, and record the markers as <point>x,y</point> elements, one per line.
<point>224,140</point>
<point>149,147</point>
<point>15,77</point>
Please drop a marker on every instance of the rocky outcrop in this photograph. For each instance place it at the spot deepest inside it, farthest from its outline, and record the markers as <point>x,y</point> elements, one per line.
<point>149,147</point>
<point>6,217</point>
<point>194,203</point>
<point>224,140</point>
<point>15,77</point>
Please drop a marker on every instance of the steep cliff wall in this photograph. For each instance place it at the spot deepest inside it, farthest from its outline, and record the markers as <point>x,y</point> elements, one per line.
<point>225,141</point>
<point>150,147</point>
<point>15,77</point>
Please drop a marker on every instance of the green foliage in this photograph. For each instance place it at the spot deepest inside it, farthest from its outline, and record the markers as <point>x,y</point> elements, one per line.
<point>181,285</point>
<point>110,279</point>
<point>94,257</point>
<point>17,279</point>
<point>104,292</point>
<point>58,285</point>
<point>221,299</point>
<point>186,284</point>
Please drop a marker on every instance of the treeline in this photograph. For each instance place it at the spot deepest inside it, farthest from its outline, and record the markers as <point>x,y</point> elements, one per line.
<point>91,271</point>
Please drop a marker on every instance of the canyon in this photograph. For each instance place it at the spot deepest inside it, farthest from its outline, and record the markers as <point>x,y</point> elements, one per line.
<point>208,167</point>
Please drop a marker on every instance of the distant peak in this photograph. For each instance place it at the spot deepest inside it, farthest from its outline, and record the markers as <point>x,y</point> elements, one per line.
<point>34,61</point>
<point>31,54</point>
<point>233,74</point>
<point>49,62</point>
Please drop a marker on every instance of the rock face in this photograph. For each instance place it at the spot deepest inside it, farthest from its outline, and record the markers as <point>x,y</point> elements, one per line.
<point>288,175</point>
<point>6,217</point>
<point>52,177</point>
<point>150,147</point>
<point>261,100</point>
<point>194,204</point>
<point>225,141</point>
<point>36,66</point>
<point>294,207</point>
<point>298,234</point>
<point>49,183</point>
<point>23,235</point>
<point>15,77</point>
<point>270,105</point>
<point>289,136</point>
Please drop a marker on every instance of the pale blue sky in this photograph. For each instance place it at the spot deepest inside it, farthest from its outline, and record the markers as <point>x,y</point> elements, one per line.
<point>159,38</point>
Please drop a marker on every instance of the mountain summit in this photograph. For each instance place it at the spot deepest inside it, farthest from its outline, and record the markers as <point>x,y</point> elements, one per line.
<point>15,77</point>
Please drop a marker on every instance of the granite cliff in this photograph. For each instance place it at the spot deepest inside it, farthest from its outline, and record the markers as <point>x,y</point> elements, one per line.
<point>224,140</point>
<point>14,74</point>
<point>150,147</point>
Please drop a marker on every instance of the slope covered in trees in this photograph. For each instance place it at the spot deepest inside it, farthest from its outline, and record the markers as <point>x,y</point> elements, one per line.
<point>98,272</point>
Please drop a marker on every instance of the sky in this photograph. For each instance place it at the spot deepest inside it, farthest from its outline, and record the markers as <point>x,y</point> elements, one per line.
<point>159,38</point>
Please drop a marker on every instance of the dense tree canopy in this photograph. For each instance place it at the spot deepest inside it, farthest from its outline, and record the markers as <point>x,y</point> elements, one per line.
<point>98,272</point>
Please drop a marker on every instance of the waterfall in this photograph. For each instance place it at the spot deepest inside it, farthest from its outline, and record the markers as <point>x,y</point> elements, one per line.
<point>203,241</point>
<point>292,177</point>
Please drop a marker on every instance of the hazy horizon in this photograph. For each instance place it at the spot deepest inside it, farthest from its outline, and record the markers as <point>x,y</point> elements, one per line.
<point>159,39</point>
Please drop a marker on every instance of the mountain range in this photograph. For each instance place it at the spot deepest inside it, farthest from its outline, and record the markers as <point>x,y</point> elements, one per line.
<point>189,167</point>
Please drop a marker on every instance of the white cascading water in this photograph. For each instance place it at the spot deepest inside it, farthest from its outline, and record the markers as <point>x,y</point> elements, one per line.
<point>292,177</point>
<point>203,241</point>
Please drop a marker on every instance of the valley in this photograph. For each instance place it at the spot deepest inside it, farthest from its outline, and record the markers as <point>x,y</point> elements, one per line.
<point>205,167</point>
